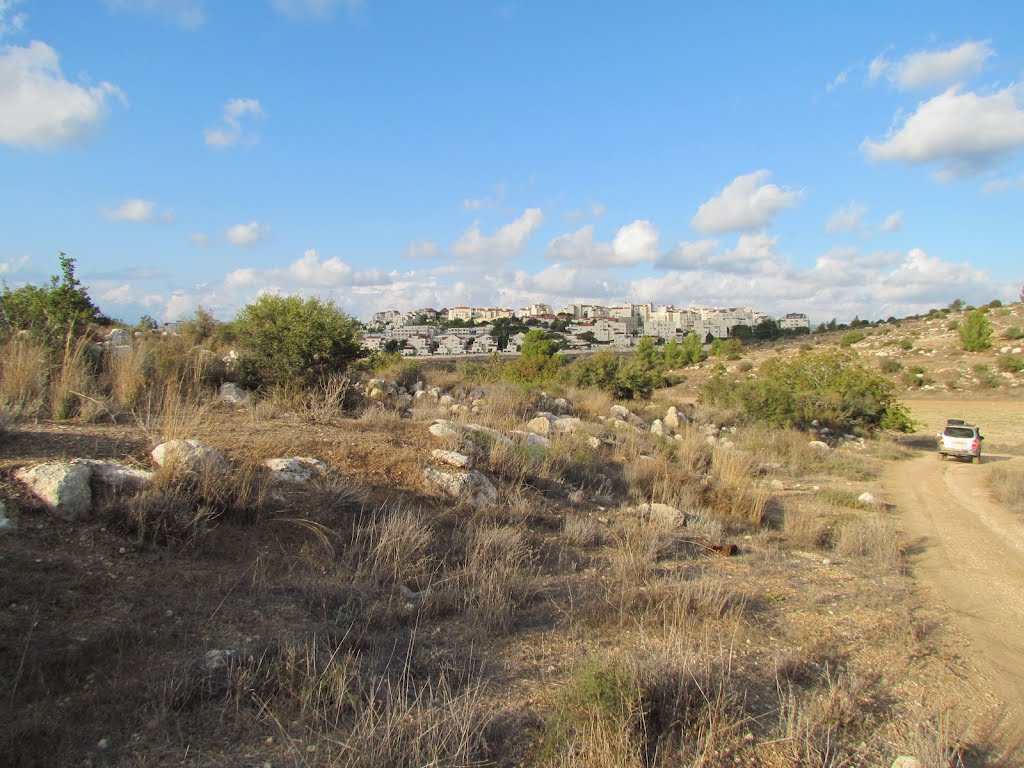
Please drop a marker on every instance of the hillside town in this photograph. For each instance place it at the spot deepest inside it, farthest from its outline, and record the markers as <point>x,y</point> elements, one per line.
<point>466,330</point>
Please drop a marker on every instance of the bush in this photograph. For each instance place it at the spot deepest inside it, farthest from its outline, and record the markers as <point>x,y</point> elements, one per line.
<point>1011,363</point>
<point>891,366</point>
<point>987,378</point>
<point>287,340</point>
<point>976,332</point>
<point>830,386</point>
<point>1014,332</point>
<point>847,339</point>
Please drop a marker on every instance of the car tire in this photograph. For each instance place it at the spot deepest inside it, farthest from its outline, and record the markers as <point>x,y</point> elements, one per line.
<point>976,459</point>
<point>942,457</point>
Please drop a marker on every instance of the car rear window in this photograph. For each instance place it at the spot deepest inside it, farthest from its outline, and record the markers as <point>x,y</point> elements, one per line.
<point>959,432</point>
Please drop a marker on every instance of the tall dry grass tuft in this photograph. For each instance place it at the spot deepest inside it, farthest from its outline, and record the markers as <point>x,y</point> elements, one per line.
<point>395,546</point>
<point>589,402</point>
<point>735,497</point>
<point>637,545</point>
<point>498,578</point>
<point>70,385</point>
<point>1007,486</point>
<point>127,376</point>
<point>824,726</point>
<point>806,524</point>
<point>873,537</point>
<point>171,413</point>
<point>24,374</point>
<point>507,406</point>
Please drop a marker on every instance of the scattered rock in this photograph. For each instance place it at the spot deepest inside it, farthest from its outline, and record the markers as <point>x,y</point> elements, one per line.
<point>567,424</point>
<point>674,419</point>
<point>64,487</point>
<point>540,424</point>
<point>218,658</point>
<point>777,485</point>
<point>6,524</point>
<point>232,393</point>
<point>472,485</point>
<point>658,428</point>
<point>866,498</point>
<point>906,761</point>
<point>112,477</point>
<point>529,438</point>
<point>662,512</point>
<point>452,458</point>
<point>297,469</point>
<point>190,455</point>
<point>818,445</point>
<point>445,429</point>
<point>620,412</point>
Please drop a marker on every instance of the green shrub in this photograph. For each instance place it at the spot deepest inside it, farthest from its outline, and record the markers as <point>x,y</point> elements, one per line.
<point>830,386</point>
<point>289,340</point>
<point>847,339</point>
<point>889,365</point>
<point>1011,363</point>
<point>916,376</point>
<point>1014,332</point>
<point>987,378</point>
<point>976,332</point>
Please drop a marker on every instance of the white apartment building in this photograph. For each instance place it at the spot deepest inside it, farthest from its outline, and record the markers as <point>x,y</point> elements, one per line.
<point>536,310</point>
<point>460,313</point>
<point>794,321</point>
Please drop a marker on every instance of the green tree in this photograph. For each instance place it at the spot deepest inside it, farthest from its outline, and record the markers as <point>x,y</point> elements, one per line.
<point>538,343</point>
<point>647,357</point>
<point>976,332</point>
<point>146,322</point>
<point>673,354</point>
<point>57,310</point>
<point>294,341</point>
<point>692,351</point>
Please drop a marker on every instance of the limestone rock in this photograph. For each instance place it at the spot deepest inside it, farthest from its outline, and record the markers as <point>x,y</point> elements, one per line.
<point>297,469</point>
<point>658,428</point>
<point>620,412</point>
<point>906,761</point>
<point>63,487</point>
<point>190,455</point>
<point>530,438</point>
<point>452,458</point>
<point>445,429</point>
<point>660,512</point>
<point>541,424</point>
<point>567,424</point>
<point>232,393</point>
<point>818,445</point>
<point>866,498</point>
<point>472,485</point>
<point>117,478</point>
<point>674,419</point>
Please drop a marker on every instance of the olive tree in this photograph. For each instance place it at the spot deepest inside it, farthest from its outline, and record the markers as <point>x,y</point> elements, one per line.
<point>289,340</point>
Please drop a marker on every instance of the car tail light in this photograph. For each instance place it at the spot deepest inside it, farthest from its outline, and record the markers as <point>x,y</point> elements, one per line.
<point>976,444</point>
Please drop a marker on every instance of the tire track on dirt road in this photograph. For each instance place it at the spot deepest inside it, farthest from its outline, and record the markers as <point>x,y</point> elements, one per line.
<point>968,554</point>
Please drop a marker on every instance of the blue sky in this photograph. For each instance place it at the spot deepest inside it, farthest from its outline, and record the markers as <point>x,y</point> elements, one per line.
<point>837,159</point>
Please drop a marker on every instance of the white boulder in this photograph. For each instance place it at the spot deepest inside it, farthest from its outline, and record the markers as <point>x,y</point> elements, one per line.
<point>472,485</point>
<point>452,458</point>
<point>64,487</point>
<point>297,469</point>
<point>190,455</point>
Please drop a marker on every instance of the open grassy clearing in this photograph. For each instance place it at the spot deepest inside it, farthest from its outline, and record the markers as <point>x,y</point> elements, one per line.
<point>366,619</point>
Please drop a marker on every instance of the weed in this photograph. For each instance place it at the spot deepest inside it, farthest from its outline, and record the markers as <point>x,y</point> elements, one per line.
<point>1007,486</point>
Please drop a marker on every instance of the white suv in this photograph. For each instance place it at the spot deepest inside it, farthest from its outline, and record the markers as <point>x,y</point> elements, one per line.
<point>960,439</point>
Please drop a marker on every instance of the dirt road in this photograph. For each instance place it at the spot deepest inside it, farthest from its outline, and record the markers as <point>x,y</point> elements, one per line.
<point>968,553</point>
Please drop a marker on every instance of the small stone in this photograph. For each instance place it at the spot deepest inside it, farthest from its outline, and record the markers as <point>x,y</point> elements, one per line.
<point>866,498</point>
<point>103,744</point>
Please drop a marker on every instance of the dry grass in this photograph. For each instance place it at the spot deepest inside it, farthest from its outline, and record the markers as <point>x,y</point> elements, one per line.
<point>735,497</point>
<point>171,414</point>
<point>71,384</point>
<point>806,524</point>
<point>872,536</point>
<point>590,403</point>
<point>396,543</point>
<point>499,576</point>
<point>581,531</point>
<point>24,374</point>
<point>1007,484</point>
<point>127,376</point>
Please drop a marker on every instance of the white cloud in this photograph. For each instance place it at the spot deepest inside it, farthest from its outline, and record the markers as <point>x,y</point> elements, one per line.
<point>933,69</point>
<point>247,234</point>
<point>136,209</point>
<point>198,238</point>
<point>846,219</point>
<point>596,210</point>
<point>10,22</point>
<point>313,8</point>
<point>42,110</point>
<point>838,80</point>
<point>893,222</point>
<point>633,244</point>
<point>423,249</point>
<point>232,131</point>
<point>507,241</point>
<point>13,266</point>
<point>187,13</point>
<point>474,204</point>
<point>964,131</point>
<point>745,204</point>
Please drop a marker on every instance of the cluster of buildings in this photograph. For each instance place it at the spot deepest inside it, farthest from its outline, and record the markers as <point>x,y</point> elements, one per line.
<point>467,330</point>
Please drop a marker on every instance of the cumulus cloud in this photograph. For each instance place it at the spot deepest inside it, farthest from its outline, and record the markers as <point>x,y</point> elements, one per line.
<point>963,131</point>
<point>745,204</point>
<point>39,108</point>
<point>247,234</point>
<point>753,252</point>
<point>506,242</point>
<point>198,238</point>
<point>893,222</point>
<point>423,249</point>
<point>312,8</point>
<point>232,131</point>
<point>187,13</point>
<point>633,244</point>
<point>11,21</point>
<point>136,209</point>
<point>933,69</point>
<point>846,219</point>
<point>838,80</point>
